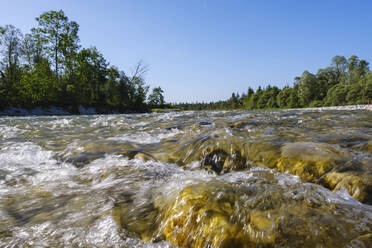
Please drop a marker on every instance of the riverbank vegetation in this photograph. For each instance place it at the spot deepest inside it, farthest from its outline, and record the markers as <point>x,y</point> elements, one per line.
<point>344,82</point>
<point>48,67</point>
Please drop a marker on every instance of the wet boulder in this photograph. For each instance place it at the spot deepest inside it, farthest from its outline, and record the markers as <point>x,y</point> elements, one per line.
<point>214,160</point>
<point>141,220</point>
<point>177,127</point>
<point>143,156</point>
<point>244,124</point>
<point>198,126</point>
<point>221,161</point>
<point>216,214</point>
<point>133,154</point>
<point>85,158</point>
<point>353,176</point>
<point>82,156</point>
<point>235,161</point>
<point>196,219</point>
<point>263,154</point>
<point>310,160</point>
<point>260,209</point>
<point>218,154</point>
<point>362,241</point>
<point>318,163</point>
<point>205,123</point>
<point>365,147</point>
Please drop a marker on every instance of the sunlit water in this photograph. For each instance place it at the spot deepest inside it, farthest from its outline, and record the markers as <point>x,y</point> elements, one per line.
<point>149,180</point>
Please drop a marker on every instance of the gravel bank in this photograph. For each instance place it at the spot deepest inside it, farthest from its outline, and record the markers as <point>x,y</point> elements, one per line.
<point>349,107</point>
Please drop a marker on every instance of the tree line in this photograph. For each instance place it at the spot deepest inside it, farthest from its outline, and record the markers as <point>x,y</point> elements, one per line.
<point>48,67</point>
<point>344,82</point>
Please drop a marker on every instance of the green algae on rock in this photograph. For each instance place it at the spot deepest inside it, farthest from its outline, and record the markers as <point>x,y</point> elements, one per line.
<point>190,179</point>
<point>309,160</point>
<point>219,161</point>
<point>355,177</point>
<point>266,209</point>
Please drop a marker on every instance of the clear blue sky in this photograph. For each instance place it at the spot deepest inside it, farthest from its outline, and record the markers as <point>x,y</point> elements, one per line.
<point>202,50</point>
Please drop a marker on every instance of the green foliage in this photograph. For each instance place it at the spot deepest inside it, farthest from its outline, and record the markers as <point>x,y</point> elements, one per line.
<point>353,93</point>
<point>283,97</point>
<point>234,101</point>
<point>47,67</point>
<point>307,90</point>
<point>366,86</point>
<point>55,71</point>
<point>59,37</point>
<point>337,95</point>
<point>156,98</point>
<point>37,88</point>
<point>346,81</point>
<point>10,71</point>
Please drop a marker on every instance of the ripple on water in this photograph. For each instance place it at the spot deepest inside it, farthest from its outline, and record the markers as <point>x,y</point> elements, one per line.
<point>7,132</point>
<point>147,137</point>
<point>114,201</point>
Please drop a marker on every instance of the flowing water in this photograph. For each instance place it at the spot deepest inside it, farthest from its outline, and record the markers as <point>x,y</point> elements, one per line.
<point>187,179</point>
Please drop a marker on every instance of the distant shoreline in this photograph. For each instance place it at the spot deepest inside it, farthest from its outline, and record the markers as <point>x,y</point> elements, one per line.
<point>55,111</point>
<point>58,111</point>
<point>345,107</point>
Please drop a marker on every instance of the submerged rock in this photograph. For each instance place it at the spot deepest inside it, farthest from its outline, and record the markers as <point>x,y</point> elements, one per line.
<point>117,200</point>
<point>318,163</point>
<point>310,160</point>
<point>263,154</point>
<point>85,158</point>
<point>265,210</point>
<point>362,241</point>
<point>366,147</point>
<point>141,221</point>
<point>307,160</point>
<point>215,160</point>
<point>214,153</point>
<point>133,154</point>
<point>144,157</point>
<point>244,124</point>
<point>195,219</point>
<point>205,123</point>
<point>218,160</point>
<point>355,177</point>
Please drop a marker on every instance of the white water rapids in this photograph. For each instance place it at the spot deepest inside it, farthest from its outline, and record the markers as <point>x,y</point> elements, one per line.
<point>61,177</point>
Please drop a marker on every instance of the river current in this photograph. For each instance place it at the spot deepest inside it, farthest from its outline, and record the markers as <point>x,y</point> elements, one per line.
<point>296,178</point>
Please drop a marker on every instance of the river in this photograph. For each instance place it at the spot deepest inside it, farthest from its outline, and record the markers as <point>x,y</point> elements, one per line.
<point>292,178</point>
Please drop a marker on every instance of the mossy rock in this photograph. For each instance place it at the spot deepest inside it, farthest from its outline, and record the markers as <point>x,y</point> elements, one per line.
<point>310,160</point>
<point>243,124</point>
<point>266,209</point>
<point>85,158</point>
<point>264,154</point>
<point>133,154</point>
<point>365,147</point>
<point>140,220</point>
<point>216,214</point>
<point>143,156</point>
<point>318,163</point>
<point>363,241</point>
<point>355,177</point>
<point>222,161</point>
<point>216,154</point>
<point>193,220</point>
<point>307,160</point>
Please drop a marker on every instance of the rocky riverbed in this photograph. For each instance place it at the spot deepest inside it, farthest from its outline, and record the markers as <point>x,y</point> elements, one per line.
<point>292,178</point>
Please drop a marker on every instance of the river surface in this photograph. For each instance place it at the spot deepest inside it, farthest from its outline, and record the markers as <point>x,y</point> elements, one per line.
<point>187,179</point>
